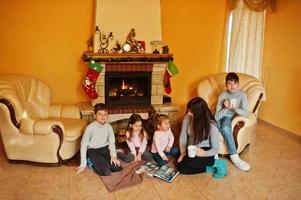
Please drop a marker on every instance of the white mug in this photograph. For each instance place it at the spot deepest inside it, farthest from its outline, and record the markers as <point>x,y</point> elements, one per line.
<point>233,103</point>
<point>191,151</point>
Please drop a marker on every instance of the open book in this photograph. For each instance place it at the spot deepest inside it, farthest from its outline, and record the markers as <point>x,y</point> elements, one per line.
<point>165,173</point>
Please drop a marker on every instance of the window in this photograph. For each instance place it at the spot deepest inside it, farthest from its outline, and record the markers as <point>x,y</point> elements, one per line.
<point>245,39</point>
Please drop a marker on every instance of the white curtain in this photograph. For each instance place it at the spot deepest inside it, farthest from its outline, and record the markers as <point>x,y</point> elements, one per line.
<point>245,45</point>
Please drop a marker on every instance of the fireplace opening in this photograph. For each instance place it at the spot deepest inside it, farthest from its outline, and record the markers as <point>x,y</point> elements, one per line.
<point>127,89</point>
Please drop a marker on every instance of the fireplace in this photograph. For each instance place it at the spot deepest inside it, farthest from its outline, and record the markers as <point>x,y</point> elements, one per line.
<point>128,88</point>
<point>140,75</point>
<point>130,83</point>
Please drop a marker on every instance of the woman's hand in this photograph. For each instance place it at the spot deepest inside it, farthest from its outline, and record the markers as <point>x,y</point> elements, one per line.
<point>115,161</point>
<point>79,169</point>
<point>181,157</point>
<point>200,152</point>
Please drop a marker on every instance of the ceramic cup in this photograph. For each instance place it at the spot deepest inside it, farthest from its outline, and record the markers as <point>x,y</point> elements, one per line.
<point>191,151</point>
<point>233,103</point>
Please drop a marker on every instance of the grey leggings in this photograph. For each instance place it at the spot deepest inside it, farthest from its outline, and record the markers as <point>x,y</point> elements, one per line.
<point>129,157</point>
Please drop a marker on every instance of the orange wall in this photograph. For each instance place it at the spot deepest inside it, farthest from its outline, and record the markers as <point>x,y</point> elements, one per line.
<point>46,39</point>
<point>194,31</point>
<point>282,66</point>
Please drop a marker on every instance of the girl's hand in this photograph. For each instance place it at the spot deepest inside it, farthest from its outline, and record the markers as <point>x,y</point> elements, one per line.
<point>181,157</point>
<point>200,152</point>
<point>115,161</point>
<point>138,157</point>
<point>165,158</point>
<point>79,169</point>
<point>227,104</point>
<point>167,149</point>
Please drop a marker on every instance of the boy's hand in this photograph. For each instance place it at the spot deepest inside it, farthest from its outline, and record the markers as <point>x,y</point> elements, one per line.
<point>115,161</point>
<point>200,152</point>
<point>167,149</point>
<point>181,157</point>
<point>138,157</point>
<point>227,104</point>
<point>79,169</point>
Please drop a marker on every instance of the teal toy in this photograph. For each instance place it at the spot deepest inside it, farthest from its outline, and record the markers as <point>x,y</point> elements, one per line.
<point>218,169</point>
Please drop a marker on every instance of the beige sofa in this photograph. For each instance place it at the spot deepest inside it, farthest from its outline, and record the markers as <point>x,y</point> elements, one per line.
<point>32,129</point>
<point>243,128</point>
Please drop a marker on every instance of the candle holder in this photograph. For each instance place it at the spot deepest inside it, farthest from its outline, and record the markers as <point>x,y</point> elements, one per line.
<point>104,41</point>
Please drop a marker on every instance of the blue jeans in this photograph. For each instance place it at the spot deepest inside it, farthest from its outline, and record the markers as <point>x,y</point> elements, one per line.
<point>226,130</point>
<point>173,152</point>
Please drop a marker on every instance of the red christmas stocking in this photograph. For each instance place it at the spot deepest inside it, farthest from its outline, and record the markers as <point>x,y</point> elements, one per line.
<point>89,83</point>
<point>91,78</point>
<point>166,82</point>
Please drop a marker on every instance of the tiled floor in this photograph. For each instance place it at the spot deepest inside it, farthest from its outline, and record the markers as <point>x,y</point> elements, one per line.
<point>275,157</point>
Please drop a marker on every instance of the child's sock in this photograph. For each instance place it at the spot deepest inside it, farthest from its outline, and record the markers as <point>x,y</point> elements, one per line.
<point>89,163</point>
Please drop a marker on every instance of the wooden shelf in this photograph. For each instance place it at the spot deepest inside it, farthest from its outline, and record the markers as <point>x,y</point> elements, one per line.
<point>126,57</point>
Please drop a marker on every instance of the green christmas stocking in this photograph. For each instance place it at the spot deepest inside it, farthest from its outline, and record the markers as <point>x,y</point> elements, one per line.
<point>170,72</point>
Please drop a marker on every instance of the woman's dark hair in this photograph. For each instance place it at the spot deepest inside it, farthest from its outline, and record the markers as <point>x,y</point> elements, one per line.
<point>202,118</point>
<point>231,76</point>
<point>133,119</point>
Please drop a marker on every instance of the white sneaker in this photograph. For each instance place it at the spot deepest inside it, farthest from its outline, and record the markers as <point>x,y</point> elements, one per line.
<point>216,156</point>
<point>243,165</point>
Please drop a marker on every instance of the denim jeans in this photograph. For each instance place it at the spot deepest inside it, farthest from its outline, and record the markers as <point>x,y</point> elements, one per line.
<point>173,152</point>
<point>226,130</point>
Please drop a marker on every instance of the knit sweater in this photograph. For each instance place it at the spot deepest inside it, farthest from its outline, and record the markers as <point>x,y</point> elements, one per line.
<point>135,142</point>
<point>186,138</point>
<point>242,104</point>
<point>161,140</point>
<point>97,135</point>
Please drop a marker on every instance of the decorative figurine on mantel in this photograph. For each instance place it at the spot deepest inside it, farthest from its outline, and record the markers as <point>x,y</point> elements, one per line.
<point>131,45</point>
<point>103,41</point>
<point>117,48</point>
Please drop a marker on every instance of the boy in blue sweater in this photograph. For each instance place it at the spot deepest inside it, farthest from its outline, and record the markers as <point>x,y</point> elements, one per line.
<point>230,103</point>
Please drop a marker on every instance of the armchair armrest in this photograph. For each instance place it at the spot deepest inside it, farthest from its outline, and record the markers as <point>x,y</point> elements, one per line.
<point>45,126</point>
<point>247,121</point>
<point>240,122</point>
<point>39,126</point>
<point>64,111</point>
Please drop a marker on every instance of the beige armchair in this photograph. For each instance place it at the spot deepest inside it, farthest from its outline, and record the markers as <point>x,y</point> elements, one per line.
<point>243,127</point>
<point>31,128</point>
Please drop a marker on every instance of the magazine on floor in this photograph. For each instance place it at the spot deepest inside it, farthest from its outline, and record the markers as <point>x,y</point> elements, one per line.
<point>165,172</point>
<point>148,167</point>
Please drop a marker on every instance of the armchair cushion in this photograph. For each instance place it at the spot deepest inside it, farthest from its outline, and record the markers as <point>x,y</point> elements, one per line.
<point>64,111</point>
